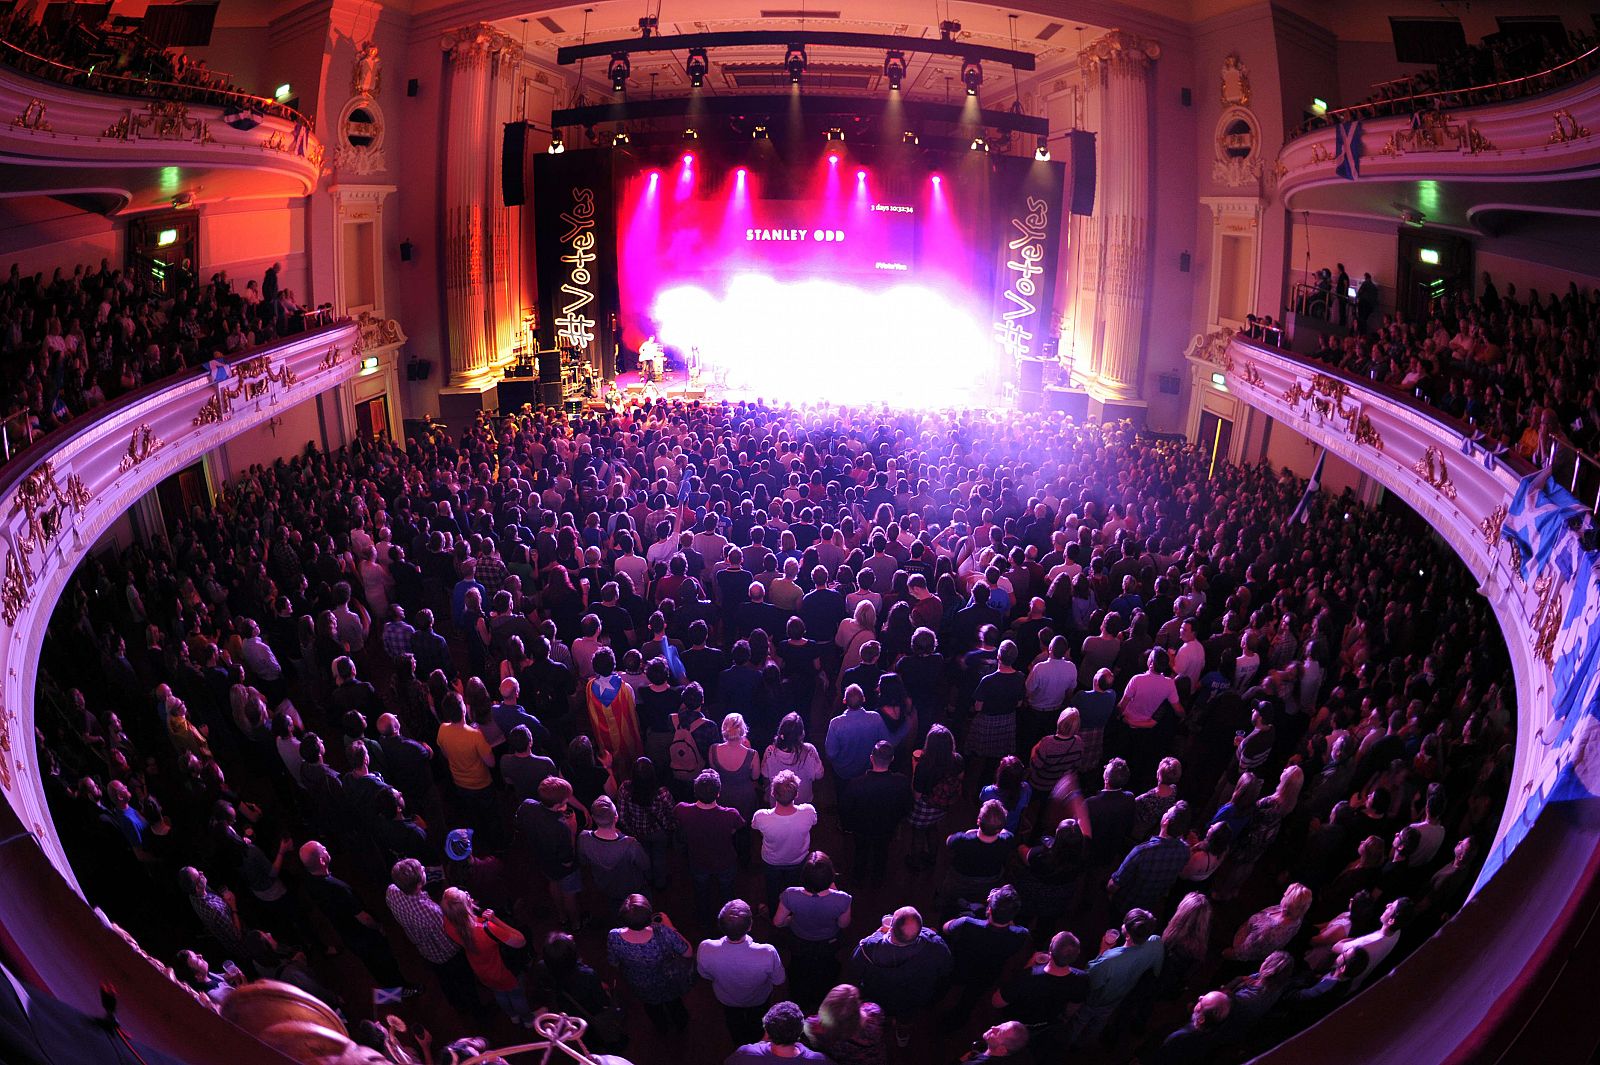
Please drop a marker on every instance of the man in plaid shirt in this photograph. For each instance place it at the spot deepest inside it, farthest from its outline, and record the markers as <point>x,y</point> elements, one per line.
<point>423,923</point>
<point>397,634</point>
<point>1147,874</point>
<point>490,571</point>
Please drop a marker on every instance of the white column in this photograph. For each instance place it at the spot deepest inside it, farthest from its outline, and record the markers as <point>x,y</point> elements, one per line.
<point>1117,70</point>
<point>469,211</point>
<point>505,250</point>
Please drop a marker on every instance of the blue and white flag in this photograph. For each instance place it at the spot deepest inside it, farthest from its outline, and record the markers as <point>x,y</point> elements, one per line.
<point>1347,149</point>
<point>1537,521</point>
<point>243,118</point>
<point>1302,512</point>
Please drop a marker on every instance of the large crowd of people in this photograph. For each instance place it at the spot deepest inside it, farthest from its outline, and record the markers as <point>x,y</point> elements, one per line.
<point>831,734</point>
<point>110,56</point>
<point>1508,67</point>
<point>73,340</point>
<point>1519,369</point>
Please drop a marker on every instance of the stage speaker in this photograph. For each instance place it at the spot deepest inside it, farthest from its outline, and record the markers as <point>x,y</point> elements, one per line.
<point>1082,153</point>
<point>550,393</point>
<point>1030,402</point>
<point>1187,97</point>
<point>549,367</point>
<point>513,157</point>
<point>418,370</point>
<point>406,248</point>
<point>1030,376</point>
<point>412,86</point>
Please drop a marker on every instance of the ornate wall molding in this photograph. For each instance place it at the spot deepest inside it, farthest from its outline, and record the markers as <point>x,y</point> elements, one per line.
<point>59,498</point>
<point>1120,52</point>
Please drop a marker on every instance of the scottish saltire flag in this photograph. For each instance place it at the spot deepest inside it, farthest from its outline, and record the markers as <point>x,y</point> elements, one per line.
<point>1537,521</point>
<point>1302,512</point>
<point>1347,149</point>
<point>388,996</point>
<point>242,118</point>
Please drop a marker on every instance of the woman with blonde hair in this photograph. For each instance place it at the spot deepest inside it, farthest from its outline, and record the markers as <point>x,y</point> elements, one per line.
<point>1185,938</point>
<point>1272,928</point>
<point>846,1029</point>
<point>854,633</point>
<point>1271,810</point>
<point>737,763</point>
<point>481,934</point>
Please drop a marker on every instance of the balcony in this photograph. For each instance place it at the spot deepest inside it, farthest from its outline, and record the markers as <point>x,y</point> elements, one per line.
<point>1527,165</point>
<point>127,144</point>
<point>1528,921</point>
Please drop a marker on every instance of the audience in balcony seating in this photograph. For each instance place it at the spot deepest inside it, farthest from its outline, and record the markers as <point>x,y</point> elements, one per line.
<point>108,57</point>
<point>1492,71</point>
<point>1522,370</point>
<point>70,342</point>
<point>1375,681</point>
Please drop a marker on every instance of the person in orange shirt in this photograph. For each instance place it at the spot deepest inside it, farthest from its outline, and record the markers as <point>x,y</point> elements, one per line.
<point>470,758</point>
<point>611,710</point>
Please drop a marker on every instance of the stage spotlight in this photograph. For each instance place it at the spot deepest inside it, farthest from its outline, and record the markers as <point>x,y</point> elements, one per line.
<point>619,139</point>
<point>760,134</point>
<point>740,173</point>
<point>979,144</point>
<point>909,137</point>
<point>688,159</point>
<point>948,29</point>
<point>894,68</point>
<point>971,75</point>
<point>835,134</point>
<point>1041,154</point>
<point>861,175</point>
<point>937,180</point>
<point>557,145</point>
<point>691,134</point>
<point>833,158</point>
<point>619,69</point>
<point>795,60</point>
<point>697,66</point>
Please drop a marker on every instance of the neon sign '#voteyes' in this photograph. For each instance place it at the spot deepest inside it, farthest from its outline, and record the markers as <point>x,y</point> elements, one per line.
<point>573,328</point>
<point>1011,331</point>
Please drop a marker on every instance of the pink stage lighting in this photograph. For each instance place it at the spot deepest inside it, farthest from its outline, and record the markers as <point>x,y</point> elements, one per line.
<point>688,158</point>
<point>861,175</point>
<point>936,179</point>
<point>833,159</point>
<point>740,173</point>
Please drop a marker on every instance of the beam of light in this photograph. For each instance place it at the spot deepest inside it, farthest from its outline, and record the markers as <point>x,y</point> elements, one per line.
<point>802,340</point>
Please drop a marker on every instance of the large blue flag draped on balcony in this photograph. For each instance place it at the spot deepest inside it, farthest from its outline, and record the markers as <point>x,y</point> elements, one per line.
<point>1347,149</point>
<point>1566,630</point>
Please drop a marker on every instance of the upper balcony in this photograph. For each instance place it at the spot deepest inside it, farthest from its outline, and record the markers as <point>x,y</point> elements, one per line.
<point>131,144</point>
<point>1511,158</point>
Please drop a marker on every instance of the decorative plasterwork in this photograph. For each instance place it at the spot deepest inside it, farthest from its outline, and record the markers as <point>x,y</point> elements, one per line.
<point>141,446</point>
<point>1235,82</point>
<point>471,46</point>
<point>1432,469</point>
<point>46,506</point>
<point>32,117</point>
<point>1236,148</point>
<point>1491,526</point>
<point>378,332</point>
<point>1567,128</point>
<point>252,379</point>
<point>1436,131</point>
<point>1326,400</point>
<point>162,120</point>
<point>1120,51</point>
<point>1210,347</point>
<point>360,133</point>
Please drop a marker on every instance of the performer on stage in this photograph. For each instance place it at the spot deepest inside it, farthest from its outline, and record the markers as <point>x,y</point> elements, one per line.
<point>652,360</point>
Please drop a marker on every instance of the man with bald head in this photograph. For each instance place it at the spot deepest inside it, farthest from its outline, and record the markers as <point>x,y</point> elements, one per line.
<point>1195,1042</point>
<point>359,931</point>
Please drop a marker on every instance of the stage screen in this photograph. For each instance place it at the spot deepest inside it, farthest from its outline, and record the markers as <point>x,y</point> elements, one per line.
<point>835,280</point>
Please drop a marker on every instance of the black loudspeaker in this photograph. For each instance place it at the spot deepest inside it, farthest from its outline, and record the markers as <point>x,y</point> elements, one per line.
<point>1082,151</point>
<point>549,367</point>
<point>1187,97</point>
<point>1030,375</point>
<point>418,370</point>
<point>1183,262</point>
<point>412,86</point>
<point>406,248</point>
<point>550,393</point>
<point>512,158</point>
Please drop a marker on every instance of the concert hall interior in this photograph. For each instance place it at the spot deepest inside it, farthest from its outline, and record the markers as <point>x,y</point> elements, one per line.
<point>868,534</point>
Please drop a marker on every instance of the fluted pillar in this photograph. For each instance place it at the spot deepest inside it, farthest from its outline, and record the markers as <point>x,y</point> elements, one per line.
<point>469,201</point>
<point>1116,70</point>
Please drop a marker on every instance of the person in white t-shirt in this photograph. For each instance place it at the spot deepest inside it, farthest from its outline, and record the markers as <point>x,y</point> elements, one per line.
<point>785,835</point>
